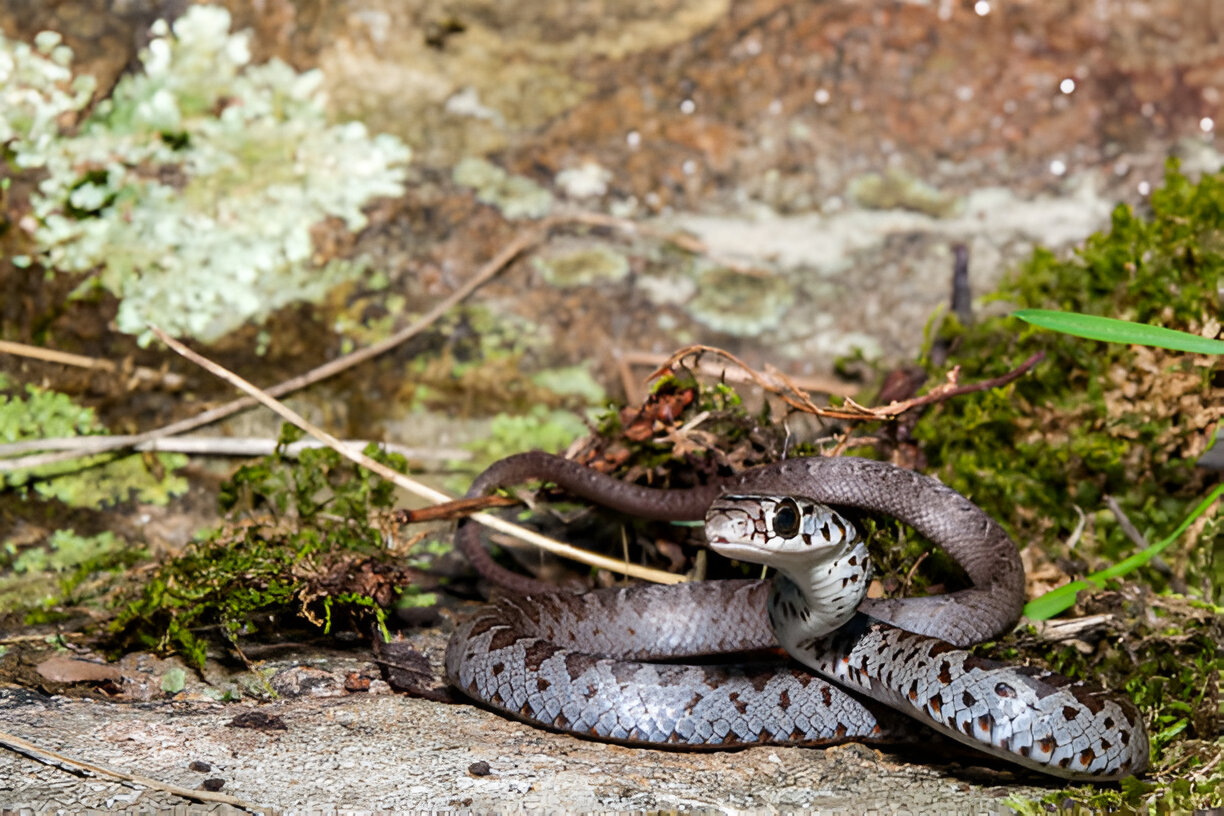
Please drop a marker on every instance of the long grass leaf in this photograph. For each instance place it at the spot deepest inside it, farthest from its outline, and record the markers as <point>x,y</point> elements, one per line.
<point>1056,600</point>
<point>1111,330</point>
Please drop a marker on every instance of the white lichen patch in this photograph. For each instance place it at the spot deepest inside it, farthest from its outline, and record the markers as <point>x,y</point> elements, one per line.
<point>191,192</point>
<point>666,289</point>
<point>587,180</point>
<point>515,196</point>
<point>740,303</point>
<point>582,267</point>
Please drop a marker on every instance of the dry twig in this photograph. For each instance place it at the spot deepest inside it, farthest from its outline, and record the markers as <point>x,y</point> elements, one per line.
<point>451,510</point>
<point>49,757</point>
<point>167,379</point>
<point>412,486</point>
<point>634,392</point>
<point>227,446</point>
<point>786,389</point>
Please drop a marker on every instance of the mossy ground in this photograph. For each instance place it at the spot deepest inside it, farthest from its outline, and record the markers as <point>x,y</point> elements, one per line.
<point>302,543</point>
<point>1096,420</point>
<point>1090,421</point>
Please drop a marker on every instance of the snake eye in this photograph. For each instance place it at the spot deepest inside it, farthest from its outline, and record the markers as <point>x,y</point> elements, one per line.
<point>786,519</point>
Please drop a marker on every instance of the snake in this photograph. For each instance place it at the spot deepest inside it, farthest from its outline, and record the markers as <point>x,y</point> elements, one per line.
<point>605,663</point>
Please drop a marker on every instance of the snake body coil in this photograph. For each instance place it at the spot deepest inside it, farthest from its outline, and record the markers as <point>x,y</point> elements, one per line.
<point>581,663</point>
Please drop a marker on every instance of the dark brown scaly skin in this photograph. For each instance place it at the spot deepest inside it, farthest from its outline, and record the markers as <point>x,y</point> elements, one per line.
<point>573,661</point>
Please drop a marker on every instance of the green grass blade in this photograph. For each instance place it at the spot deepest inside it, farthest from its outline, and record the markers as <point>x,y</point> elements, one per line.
<point>1119,331</point>
<point>1056,600</point>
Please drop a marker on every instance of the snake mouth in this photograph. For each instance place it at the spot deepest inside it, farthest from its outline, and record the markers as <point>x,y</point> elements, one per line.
<point>738,549</point>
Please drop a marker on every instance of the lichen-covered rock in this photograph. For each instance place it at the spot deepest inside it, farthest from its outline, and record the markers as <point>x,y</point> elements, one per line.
<point>584,266</point>
<point>515,196</point>
<point>190,192</point>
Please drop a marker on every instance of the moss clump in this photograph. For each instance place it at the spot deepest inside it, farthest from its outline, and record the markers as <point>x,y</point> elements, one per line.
<point>38,582</point>
<point>1096,420</point>
<point>301,543</point>
<point>538,429</point>
<point>191,192</point>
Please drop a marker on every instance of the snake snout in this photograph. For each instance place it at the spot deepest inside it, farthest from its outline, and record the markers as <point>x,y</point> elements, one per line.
<point>732,530</point>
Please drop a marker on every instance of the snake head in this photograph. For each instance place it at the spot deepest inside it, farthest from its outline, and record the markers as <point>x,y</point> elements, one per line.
<point>776,530</point>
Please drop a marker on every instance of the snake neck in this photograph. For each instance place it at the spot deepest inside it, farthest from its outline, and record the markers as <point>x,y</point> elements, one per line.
<point>810,602</point>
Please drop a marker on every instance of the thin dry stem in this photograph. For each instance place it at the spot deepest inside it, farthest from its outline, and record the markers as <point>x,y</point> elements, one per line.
<point>416,488</point>
<point>49,757</point>
<point>140,373</point>
<point>517,246</point>
<point>786,389</point>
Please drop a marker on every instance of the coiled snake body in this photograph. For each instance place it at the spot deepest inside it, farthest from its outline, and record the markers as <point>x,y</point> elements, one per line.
<point>582,663</point>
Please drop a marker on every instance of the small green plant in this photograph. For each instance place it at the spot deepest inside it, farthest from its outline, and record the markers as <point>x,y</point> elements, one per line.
<point>1125,419</point>
<point>1110,330</point>
<point>1062,598</point>
<point>301,542</point>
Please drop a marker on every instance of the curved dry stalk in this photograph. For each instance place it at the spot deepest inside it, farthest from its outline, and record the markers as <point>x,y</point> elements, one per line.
<point>168,379</point>
<point>416,488</point>
<point>225,446</point>
<point>102,444</point>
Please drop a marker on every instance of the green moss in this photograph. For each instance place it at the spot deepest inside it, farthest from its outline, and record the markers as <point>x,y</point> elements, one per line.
<point>575,381</point>
<point>1172,655</point>
<point>191,192</point>
<point>42,579</point>
<point>301,541</point>
<point>538,429</point>
<point>1095,420</point>
<point>91,482</point>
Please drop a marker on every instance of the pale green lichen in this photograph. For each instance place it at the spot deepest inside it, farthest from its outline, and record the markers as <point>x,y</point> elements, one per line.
<point>42,576</point>
<point>514,196</point>
<point>174,681</point>
<point>897,189</point>
<point>65,550</point>
<point>738,303</point>
<point>583,267</point>
<point>575,380</point>
<point>538,429</point>
<point>587,180</point>
<point>90,482</point>
<point>191,192</point>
